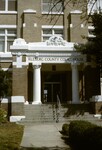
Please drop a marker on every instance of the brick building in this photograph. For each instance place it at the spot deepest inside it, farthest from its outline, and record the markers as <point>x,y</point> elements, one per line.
<point>44,65</point>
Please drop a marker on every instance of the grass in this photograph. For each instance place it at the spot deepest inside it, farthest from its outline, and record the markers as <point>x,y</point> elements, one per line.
<point>10,136</point>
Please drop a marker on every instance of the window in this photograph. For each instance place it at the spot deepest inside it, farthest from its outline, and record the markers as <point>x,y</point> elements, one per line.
<point>8,5</point>
<point>48,31</point>
<point>94,6</point>
<point>90,32</point>
<point>7,37</point>
<point>52,6</point>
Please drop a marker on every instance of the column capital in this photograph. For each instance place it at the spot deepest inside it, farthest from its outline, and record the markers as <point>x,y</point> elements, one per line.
<point>36,66</point>
<point>75,63</point>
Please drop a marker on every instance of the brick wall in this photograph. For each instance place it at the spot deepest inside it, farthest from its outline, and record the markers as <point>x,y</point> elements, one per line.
<point>20,79</point>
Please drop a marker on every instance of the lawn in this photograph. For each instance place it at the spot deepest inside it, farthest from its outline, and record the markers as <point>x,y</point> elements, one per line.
<point>10,136</point>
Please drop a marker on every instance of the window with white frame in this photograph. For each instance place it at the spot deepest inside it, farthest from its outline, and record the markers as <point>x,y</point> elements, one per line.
<point>8,5</point>
<point>90,32</point>
<point>48,31</point>
<point>7,37</point>
<point>52,6</point>
<point>94,6</point>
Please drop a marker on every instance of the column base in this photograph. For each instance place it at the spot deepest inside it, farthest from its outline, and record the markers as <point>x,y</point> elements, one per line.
<point>36,103</point>
<point>26,103</point>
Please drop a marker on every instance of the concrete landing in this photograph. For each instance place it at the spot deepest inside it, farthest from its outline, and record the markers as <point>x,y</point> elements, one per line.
<point>43,135</point>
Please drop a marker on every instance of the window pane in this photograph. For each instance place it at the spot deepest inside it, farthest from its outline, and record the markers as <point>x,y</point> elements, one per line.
<point>47,31</point>
<point>46,8</point>
<point>12,5</point>
<point>8,45</point>
<point>45,38</point>
<point>2,31</point>
<point>2,5</point>
<point>10,38</point>
<point>57,8</point>
<point>2,38</point>
<point>2,43</point>
<point>2,46</point>
<point>58,31</point>
<point>52,6</point>
<point>46,1</point>
<point>9,42</point>
<point>11,31</point>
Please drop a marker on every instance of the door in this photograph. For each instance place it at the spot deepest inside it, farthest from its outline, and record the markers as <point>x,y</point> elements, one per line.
<point>52,91</point>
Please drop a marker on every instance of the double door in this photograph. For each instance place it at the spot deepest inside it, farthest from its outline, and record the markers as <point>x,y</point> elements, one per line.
<point>52,92</point>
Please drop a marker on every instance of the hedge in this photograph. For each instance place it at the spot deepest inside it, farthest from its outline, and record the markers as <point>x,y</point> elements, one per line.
<point>85,135</point>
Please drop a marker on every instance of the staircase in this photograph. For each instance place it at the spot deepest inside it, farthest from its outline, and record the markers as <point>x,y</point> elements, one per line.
<point>48,113</point>
<point>43,113</point>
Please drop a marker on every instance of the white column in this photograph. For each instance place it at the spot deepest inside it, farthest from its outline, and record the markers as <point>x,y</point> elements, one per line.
<point>36,84</point>
<point>75,84</point>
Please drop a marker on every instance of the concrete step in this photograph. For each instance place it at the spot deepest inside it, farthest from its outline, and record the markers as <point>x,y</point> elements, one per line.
<point>43,113</point>
<point>49,113</point>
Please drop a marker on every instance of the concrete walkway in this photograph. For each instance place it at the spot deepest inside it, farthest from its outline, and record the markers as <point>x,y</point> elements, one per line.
<point>43,135</point>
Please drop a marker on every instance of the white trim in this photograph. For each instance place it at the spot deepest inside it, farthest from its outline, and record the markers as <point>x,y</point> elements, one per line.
<point>91,27</point>
<point>76,12</point>
<point>29,11</point>
<point>52,13</point>
<point>97,98</point>
<point>8,12</point>
<point>6,69</point>
<point>17,99</point>
<point>4,100</point>
<point>51,26</point>
<point>20,66</point>
<point>16,118</point>
<point>24,25</point>
<point>82,25</point>
<point>71,25</point>
<point>8,26</point>
<point>98,116</point>
<point>91,35</point>
<point>7,54</point>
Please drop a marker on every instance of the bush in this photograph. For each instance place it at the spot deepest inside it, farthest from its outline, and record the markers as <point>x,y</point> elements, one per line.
<point>65,129</point>
<point>85,135</point>
<point>3,116</point>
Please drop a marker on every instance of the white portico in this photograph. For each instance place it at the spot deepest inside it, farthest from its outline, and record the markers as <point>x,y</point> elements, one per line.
<point>52,53</point>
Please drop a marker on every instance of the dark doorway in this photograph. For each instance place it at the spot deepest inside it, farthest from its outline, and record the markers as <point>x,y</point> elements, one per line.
<point>52,91</point>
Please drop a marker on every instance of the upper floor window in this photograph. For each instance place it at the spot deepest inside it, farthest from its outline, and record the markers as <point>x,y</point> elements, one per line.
<point>90,33</point>
<point>94,6</point>
<point>52,6</point>
<point>48,31</point>
<point>7,37</point>
<point>8,5</point>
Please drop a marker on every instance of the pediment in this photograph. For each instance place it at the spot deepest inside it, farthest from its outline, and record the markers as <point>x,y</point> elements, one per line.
<point>56,41</point>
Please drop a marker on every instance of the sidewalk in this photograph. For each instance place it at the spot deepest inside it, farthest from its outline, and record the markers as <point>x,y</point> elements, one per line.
<point>43,135</point>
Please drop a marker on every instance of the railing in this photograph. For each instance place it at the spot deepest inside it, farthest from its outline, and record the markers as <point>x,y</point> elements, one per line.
<point>56,110</point>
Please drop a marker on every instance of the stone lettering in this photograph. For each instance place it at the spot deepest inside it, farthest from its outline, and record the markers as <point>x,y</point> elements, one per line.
<point>57,59</point>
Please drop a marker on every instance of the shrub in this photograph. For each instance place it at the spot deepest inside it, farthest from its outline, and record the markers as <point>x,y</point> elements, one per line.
<point>85,135</point>
<point>3,116</point>
<point>65,129</point>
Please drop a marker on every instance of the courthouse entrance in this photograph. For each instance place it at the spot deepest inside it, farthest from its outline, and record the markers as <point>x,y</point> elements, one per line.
<point>54,71</point>
<point>52,92</point>
<point>54,86</point>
